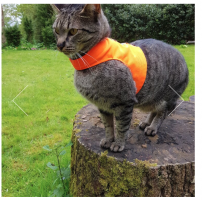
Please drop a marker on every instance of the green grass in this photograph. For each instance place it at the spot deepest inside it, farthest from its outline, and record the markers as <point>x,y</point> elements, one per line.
<point>51,101</point>
<point>189,55</point>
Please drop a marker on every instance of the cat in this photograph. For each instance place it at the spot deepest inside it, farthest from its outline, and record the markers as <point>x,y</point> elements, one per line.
<point>110,85</point>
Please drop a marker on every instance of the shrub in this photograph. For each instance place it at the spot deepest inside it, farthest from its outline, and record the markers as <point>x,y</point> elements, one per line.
<point>27,24</point>
<point>47,34</point>
<point>42,22</point>
<point>13,36</point>
<point>171,23</point>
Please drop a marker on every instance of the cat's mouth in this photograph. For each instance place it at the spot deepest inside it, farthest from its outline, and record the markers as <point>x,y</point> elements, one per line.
<point>68,50</point>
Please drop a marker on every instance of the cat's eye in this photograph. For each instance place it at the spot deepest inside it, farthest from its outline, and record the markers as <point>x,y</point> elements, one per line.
<point>57,31</point>
<point>73,31</point>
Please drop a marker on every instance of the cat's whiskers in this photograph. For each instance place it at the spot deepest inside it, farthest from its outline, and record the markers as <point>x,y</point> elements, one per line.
<point>56,55</point>
<point>74,57</point>
<point>81,58</point>
<point>89,55</point>
<point>86,61</point>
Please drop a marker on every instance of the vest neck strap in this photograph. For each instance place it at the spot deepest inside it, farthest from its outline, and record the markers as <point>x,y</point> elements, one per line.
<point>91,58</point>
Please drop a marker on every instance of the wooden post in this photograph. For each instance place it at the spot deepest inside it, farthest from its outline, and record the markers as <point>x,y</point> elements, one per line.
<point>148,166</point>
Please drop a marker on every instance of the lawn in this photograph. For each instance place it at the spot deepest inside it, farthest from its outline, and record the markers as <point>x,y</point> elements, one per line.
<point>49,103</point>
<point>189,55</point>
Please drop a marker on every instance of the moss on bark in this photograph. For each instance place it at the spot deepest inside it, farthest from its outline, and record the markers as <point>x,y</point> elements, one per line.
<point>94,174</point>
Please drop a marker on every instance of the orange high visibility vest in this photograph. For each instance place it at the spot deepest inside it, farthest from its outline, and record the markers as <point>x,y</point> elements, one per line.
<point>108,49</point>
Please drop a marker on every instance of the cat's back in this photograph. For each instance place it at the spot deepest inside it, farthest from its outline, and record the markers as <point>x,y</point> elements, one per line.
<point>163,59</point>
<point>158,51</point>
<point>152,43</point>
<point>166,67</point>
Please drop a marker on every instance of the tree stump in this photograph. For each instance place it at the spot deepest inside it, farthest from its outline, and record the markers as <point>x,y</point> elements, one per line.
<point>162,165</point>
<point>192,99</point>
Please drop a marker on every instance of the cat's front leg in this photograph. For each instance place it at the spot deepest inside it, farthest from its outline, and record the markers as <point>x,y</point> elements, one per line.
<point>123,116</point>
<point>107,119</point>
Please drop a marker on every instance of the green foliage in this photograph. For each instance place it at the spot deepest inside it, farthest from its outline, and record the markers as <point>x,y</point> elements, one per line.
<point>42,17</point>
<point>28,27</point>
<point>47,34</point>
<point>172,23</point>
<point>25,45</point>
<point>183,46</point>
<point>10,48</point>
<point>13,36</point>
<point>63,173</point>
<point>43,20</point>
<point>26,10</point>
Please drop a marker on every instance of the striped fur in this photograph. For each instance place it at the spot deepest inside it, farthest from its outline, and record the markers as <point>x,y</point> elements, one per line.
<point>110,85</point>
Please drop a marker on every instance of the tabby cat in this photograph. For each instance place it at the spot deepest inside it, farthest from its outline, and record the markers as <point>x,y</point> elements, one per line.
<point>110,85</point>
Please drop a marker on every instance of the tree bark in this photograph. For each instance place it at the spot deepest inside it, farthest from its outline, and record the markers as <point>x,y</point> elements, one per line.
<point>3,37</point>
<point>148,166</point>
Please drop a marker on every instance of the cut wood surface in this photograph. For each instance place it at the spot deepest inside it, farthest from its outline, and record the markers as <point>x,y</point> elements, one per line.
<point>192,99</point>
<point>162,165</point>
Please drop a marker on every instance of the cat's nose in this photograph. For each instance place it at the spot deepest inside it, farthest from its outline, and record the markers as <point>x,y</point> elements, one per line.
<point>61,45</point>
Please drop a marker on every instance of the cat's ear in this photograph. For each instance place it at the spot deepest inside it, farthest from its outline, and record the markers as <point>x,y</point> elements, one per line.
<point>90,10</point>
<point>57,7</point>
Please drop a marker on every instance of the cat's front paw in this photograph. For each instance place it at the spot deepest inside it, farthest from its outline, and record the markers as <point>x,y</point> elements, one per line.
<point>115,146</point>
<point>106,143</point>
<point>150,131</point>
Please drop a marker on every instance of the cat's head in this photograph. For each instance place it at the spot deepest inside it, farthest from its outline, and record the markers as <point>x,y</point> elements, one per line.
<point>79,27</point>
